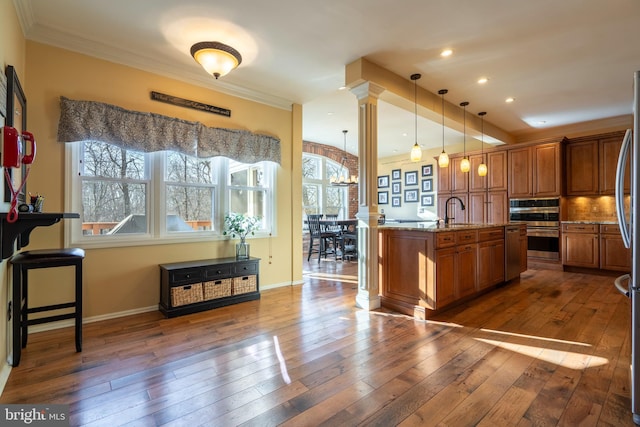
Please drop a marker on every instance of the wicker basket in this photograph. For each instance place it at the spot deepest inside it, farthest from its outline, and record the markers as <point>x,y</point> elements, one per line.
<point>217,289</point>
<point>244,284</point>
<point>188,294</point>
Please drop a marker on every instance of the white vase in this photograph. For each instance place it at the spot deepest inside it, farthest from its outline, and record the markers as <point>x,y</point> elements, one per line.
<point>242,250</point>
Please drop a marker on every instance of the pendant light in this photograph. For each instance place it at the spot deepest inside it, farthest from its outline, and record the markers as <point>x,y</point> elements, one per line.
<point>465,166</point>
<point>340,180</point>
<point>443,160</point>
<point>482,167</point>
<point>416,151</point>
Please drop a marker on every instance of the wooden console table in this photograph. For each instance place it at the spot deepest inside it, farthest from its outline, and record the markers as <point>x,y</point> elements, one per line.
<point>192,286</point>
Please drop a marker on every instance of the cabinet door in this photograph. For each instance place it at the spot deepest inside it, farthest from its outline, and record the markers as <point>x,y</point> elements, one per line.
<point>609,151</point>
<point>445,269</point>
<point>465,272</point>
<point>498,207</point>
<point>444,179</point>
<point>497,170</point>
<point>477,182</point>
<point>581,168</point>
<point>580,250</point>
<point>546,167</point>
<point>520,172</point>
<point>497,262</point>
<point>459,179</point>
<point>456,214</point>
<point>484,264</point>
<point>523,250</point>
<point>477,207</point>
<point>613,254</point>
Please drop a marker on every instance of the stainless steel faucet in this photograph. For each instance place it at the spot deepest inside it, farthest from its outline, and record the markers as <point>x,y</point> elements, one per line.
<point>446,208</point>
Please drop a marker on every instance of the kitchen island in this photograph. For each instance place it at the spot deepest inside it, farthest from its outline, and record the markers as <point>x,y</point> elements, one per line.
<point>425,268</point>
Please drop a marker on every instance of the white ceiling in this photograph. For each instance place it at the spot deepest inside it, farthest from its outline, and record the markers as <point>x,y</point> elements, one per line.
<point>564,62</point>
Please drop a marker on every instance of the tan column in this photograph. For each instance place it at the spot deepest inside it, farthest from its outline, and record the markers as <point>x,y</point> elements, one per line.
<point>368,296</point>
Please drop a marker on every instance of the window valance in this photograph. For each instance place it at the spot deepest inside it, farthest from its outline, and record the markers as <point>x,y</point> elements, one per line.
<point>148,132</point>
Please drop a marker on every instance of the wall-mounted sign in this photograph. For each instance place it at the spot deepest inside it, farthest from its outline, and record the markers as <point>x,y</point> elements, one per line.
<point>181,102</point>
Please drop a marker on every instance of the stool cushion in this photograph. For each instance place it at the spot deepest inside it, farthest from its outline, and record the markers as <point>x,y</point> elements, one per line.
<point>44,255</point>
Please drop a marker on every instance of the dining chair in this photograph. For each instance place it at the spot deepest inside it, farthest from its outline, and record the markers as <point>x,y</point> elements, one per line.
<point>319,238</point>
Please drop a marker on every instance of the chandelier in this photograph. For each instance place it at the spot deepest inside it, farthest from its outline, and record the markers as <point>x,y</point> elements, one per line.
<point>340,180</point>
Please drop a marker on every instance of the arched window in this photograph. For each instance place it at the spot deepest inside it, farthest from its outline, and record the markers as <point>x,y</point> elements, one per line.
<point>318,195</point>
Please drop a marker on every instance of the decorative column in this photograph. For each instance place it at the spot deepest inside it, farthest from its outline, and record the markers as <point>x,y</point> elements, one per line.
<point>368,289</point>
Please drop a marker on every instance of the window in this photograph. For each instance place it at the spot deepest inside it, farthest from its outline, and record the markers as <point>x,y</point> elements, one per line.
<point>127,197</point>
<point>318,196</point>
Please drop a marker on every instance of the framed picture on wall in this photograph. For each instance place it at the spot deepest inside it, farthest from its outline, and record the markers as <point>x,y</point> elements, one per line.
<point>383,197</point>
<point>411,178</point>
<point>395,188</point>
<point>396,201</point>
<point>410,196</point>
<point>396,174</point>
<point>427,200</point>
<point>383,181</point>
<point>427,185</point>
<point>427,170</point>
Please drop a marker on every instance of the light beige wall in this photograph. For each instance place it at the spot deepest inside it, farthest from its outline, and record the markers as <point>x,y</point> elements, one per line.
<point>12,52</point>
<point>122,279</point>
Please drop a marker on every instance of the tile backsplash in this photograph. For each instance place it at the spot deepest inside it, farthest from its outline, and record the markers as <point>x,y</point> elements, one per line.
<point>602,208</point>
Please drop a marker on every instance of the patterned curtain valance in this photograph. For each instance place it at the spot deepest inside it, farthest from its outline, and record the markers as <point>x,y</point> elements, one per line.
<point>148,132</point>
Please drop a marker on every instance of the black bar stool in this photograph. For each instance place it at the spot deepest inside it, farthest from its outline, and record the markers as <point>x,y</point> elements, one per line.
<point>46,258</point>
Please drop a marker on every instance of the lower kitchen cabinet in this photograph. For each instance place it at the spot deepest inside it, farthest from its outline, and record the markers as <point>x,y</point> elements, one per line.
<point>192,286</point>
<point>613,254</point>
<point>491,257</point>
<point>580,245</point>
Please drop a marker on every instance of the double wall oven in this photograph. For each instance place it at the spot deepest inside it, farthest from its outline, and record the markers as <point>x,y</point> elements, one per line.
<point>542,217</point>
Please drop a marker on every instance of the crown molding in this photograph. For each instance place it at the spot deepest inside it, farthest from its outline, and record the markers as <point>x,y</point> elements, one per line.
<point>575,130</point>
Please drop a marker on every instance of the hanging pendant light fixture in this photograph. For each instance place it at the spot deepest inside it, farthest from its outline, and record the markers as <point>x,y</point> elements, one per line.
<point>416,151</point>
<point>340,180</point>
<point>443,160</point>
<point>465,166</point>
<point>482,167</point>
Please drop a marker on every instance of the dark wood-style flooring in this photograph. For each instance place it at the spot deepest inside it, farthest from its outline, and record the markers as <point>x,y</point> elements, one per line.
<point>550,349</point>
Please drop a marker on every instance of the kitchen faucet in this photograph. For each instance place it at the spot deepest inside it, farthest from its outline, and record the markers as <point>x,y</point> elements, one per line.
<point>446,209</point>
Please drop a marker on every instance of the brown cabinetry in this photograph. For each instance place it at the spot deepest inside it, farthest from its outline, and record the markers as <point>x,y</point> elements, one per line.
<point>524,244</point>
<point>534,171</point>
<point>456,214</point>
<point>580,245</point>
<point>192,286</point>
<point>591,165</point>
<point>491,257</point>
<point>613,254</point>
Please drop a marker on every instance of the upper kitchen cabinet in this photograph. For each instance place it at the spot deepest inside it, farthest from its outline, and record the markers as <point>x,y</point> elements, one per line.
<point>451,179</point>
<point>534,171</point>
<point>496,178</point>
<point>590,166</point>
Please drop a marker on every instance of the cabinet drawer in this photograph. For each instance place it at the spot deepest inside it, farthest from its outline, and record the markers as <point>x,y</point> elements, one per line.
<point>491,234</point>
<point>609,229</point>
<point>190,275</point>
<point>580,228</point>
<point>467,236</point>
<point>444,240</point>
<point>246,268</point>
<point>218,272</point>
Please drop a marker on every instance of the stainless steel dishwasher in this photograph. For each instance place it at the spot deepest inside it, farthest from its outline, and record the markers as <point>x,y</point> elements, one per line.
<point>512,252</point>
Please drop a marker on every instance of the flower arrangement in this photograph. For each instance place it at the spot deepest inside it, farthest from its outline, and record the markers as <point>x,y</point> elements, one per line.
<point>240,225</point>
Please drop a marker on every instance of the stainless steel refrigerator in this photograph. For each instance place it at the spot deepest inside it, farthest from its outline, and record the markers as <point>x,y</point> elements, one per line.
<point>629,284</point>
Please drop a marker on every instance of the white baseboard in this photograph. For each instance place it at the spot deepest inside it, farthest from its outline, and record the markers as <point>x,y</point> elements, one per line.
<point>281,285</point>
<point>4,376</point>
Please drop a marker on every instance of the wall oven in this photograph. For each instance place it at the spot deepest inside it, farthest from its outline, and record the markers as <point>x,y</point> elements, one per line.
<point>542,217</point>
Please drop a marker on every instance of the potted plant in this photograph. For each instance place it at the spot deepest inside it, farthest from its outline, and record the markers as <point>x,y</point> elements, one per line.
<point>241,225</point>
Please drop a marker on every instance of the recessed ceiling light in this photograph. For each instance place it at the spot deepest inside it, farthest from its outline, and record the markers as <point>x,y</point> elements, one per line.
<point>509,100</point>
<point>404,134</point>
<point>330,113</point>
<point>446,52</point>
<point>483,80</point>
<point>342,88</point>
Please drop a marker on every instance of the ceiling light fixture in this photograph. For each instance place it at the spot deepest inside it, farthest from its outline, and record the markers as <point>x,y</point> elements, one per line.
<point>465,166</point>
<point>443,160</point>
<point>446,52</point>
<point>482,80</point>
<point>340,180</point>
<point>509,100</point>
<point>482,167</point>
<point>215,57</point>
<point>416,151</point>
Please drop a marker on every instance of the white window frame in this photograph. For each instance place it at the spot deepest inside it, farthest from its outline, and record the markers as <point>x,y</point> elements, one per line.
<point>156,214</point>
<point>323,183</point>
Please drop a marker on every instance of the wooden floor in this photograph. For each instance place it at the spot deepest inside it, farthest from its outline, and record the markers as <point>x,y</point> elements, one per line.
<point>551,349</point>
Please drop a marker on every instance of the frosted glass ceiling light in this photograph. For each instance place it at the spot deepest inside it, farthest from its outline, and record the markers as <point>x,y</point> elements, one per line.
<point>416,151</point>
<point>443,160</point>
<point>215,57</point>
<point>482,167</point>
<point>465,166</point>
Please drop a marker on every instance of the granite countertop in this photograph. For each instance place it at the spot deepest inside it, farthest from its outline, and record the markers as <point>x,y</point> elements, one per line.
<point>431,226</point>
<point>589,222</point>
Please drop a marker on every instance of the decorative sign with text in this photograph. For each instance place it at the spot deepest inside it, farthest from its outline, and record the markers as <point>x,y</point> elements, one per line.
<point>181,102</point>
